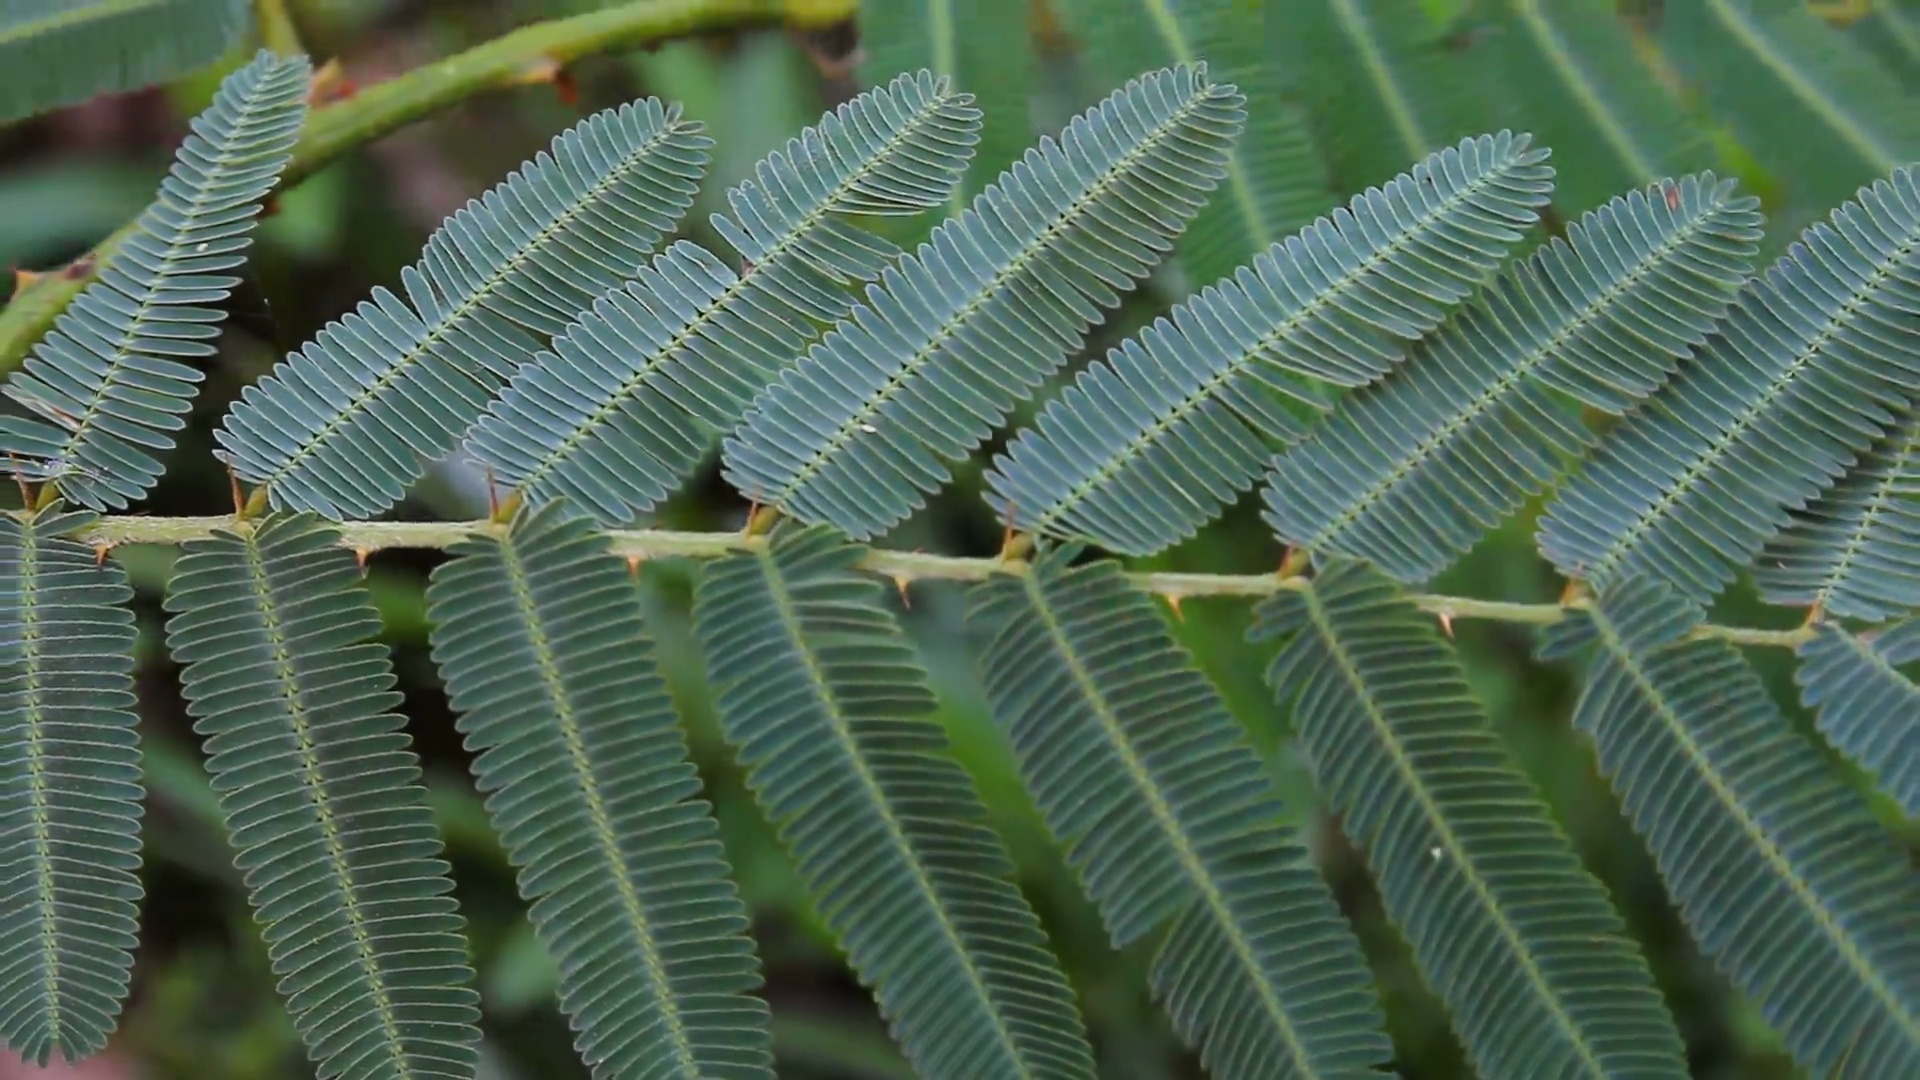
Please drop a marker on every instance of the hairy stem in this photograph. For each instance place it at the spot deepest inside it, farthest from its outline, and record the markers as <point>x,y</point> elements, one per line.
<point>902,566</point>
<point>534,53</point>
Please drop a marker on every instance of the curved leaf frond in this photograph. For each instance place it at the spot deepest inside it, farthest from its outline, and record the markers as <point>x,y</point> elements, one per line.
<point>113,380</point>
<point>952,338</point>
<point>1866,707</point>
<point>70,790</point>
<point>537,633</point>
<point>1170,818</point>
<point>1148,445</point>
<point>1275,182</point>
<point>1808,370</point>
<point>636,390</point>
<point>1410,471</point>
<point>1533,963</point>
<point>1855,550</point>
<point>1571,70</point>
<point>980,46</point>
<point>60,52</point>
<point>822,694</point>
<point>1890,30</point>
<point>346,424</point>
<point>1783,875</point>
<point>320,790</point>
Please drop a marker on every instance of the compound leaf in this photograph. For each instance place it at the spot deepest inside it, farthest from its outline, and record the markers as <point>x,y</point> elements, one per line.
<point>61,52</point>
<point>1865,705</point>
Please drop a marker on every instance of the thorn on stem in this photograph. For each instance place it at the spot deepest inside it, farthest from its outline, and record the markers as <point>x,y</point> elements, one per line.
<point>79,268</point>
<point>25,279</point>
<point>900,583</point>
<point>550,70</point>
<point>633,566</point>
<point>1173,602</point>
<point>330,84</point>
<point>100,553</point>
<point>1446,622</point>
<point>360,557</point>
<point>1817,612</point>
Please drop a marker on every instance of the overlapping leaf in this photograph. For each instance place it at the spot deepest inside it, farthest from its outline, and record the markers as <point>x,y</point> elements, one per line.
<point>343,427</point>
<point>59,52</point>
<point>636,390</point>
<point>1150,444</point>
<point>1410,471</point>
<point>320,790</point>
<point>1866,706</point>
<point>822,694</point>
<point>114,378</point>
<point>953,338</point>
<point>1169,816</point>
<point>70,790</point>
<point>1534,965</point>
<point>1809,369</point>
<point>1778,867</point>
<point>537,633</point>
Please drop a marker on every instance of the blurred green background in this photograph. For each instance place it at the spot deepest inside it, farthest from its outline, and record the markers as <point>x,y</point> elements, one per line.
<point>202,1004</point>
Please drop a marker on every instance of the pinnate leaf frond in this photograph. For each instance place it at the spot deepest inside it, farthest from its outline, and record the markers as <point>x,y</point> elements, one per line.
<point>61,52</point>
<point>821,693</point>
<point>1535,966</point>
<point>70,790</point>
<point>1168,814</point>
<point>112,381</point>
<point>320,789</point>
<point>1866,706</point>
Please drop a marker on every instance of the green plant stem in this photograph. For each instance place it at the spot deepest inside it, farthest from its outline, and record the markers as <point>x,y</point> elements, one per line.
<point>532,54</point>
<point>277,31</point>
<point>901,566</point>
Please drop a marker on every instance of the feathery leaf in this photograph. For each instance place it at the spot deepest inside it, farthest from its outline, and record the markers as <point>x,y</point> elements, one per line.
<point>320,789</point>
<point>1782,874</point>
<point>345,426</point>
<point>1410,471</point>
<point>637,390</point>
<point>113,380</point>
<point>70,790</point>
<point>1534,964</point>
<point>1168,814</point>
<point>1811,367</point>
<point>1866,707</point>
<point>822,694</point>
<point>1151,443</point>
<point>60,52</point>
<point>954,337</point>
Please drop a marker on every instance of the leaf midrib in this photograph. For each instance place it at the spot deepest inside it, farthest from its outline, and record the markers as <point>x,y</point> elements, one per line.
<point>39,797</point>
<point>1885,493</point>
<point>1581,86</point>
<point>1740,27</point>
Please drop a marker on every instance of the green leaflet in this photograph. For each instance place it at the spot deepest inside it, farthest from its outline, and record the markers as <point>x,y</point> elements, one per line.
<point>1275,181</point>
<point>70,790</point>
<point>1784,877</point>
<point>980,46</point>
<point>1571,70</point>
<point>1808,370</point>
<point>1536,969</point>
<point>1148,445</point>
<point>343,427</point>
<point>1381,83</point>
<point>822,694</point>
<point>1410,471</point>
<point>1855,550</point>
<point>61,52</point>
<point>537,633</point>
<point>861,429</point>
<point>1169,817</point>
<point>635,391</point>
<point>1866,707</point>
<point>320,789</point>
<point>114,379</point>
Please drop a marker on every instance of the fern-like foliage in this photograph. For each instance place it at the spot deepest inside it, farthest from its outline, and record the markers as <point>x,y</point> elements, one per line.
<point>70,790</point>
<point>110,384</point>
<point>1410,471</point>
<point>1855,550</point>
<point>1150,444</point>
<point>1169,816</point>
<point>820,691</point>
<point>1866,706</point>
<point>538,635</point>
<point>637,390</point>
<point>320,789</point>
<point>1518,940</point>
<point>59,52</point>
<point>954,337</point>
<point>1778,868</point>
<point>1571,70</point>
<point>1812,365</point>
<point>979,46</point>
<point>345,425</point>
<point>1275,181</point>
